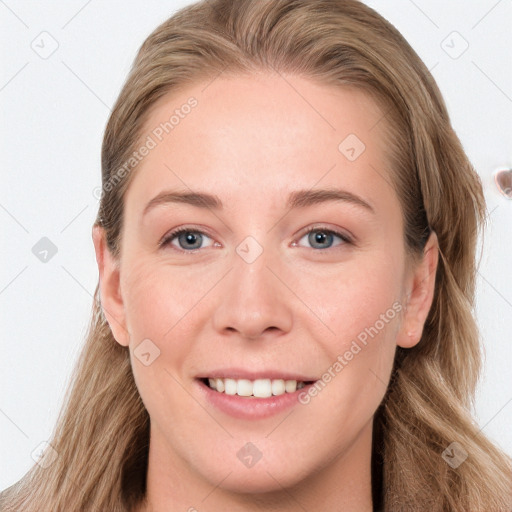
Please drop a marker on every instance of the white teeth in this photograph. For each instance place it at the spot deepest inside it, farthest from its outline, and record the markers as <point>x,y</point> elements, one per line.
<point>219,385</point>
<point>278,387</point>
<point>243,387</point>
<point>290,386</point>
<point>230,386</point>
<point>260,388</point>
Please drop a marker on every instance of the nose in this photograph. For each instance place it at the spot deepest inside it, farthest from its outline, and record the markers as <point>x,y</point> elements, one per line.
<point>254,300</point>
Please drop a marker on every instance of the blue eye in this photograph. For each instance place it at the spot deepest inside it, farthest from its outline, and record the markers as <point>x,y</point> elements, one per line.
<point>322,238</point>
<point>191,239</point>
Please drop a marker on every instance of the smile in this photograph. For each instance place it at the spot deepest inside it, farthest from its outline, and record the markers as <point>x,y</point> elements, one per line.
<point>259,388</point>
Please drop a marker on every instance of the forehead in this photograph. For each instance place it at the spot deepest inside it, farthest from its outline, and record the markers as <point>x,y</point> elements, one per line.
<point>245,137</point>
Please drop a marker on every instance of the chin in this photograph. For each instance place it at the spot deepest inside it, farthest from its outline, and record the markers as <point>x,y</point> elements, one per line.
<point>259,480</point>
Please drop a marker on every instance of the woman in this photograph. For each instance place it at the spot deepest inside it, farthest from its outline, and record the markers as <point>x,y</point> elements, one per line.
<point>285,242</point>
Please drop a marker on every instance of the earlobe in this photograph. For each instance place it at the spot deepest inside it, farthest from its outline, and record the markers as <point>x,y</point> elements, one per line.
<point>110,293</point>
<point>419,295</point>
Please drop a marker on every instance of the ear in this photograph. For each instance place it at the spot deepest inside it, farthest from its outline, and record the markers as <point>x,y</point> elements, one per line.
<point>419,294</point>
<point>110,292</point>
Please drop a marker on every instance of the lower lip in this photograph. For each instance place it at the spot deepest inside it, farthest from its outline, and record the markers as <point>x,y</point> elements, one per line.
<point>250,408</point>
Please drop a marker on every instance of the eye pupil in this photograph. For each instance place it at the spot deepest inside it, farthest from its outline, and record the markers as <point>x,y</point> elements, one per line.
<point>190,238</point>
<point>319,237</point>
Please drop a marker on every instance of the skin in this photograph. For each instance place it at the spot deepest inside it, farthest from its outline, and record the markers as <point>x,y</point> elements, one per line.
<point>252,141</point>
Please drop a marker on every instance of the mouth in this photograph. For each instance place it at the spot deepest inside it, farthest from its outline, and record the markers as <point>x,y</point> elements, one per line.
<point>258,388</point>
<point>251,395</point>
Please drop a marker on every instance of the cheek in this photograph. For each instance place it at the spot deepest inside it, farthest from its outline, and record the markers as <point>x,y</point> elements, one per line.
<point>167,305</point>
<point>158,307</point>
<point>157,298</point>
<point>152,308</point>
<point>354,298</point>
<point>145,305</point>
<point>360,312</point>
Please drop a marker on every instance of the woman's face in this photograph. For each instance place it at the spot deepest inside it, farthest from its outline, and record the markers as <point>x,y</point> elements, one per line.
<point>247,293</point>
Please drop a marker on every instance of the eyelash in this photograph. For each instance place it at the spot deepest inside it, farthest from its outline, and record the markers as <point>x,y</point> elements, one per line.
<point>174,234</point>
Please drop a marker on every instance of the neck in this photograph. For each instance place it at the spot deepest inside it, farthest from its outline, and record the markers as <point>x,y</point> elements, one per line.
<point>343,483</point>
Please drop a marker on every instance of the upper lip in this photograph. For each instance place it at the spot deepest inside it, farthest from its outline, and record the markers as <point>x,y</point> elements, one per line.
<point>240,373</point>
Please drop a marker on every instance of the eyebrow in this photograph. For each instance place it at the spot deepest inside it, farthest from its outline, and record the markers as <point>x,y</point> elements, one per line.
<point>296,199</point>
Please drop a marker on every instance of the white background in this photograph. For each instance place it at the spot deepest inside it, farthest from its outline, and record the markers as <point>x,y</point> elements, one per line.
<point>54,111</point>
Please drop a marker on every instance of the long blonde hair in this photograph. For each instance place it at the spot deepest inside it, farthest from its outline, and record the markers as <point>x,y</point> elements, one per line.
<point>102,434</point>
